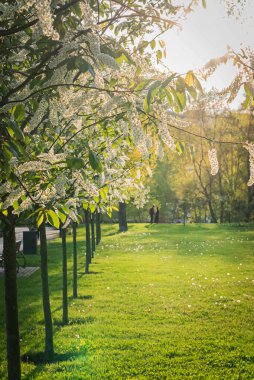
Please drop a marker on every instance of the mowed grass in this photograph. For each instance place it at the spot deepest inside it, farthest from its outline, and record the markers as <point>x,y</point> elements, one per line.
<point>161,302</point>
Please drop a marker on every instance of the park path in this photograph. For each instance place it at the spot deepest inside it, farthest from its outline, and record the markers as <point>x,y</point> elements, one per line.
<point>51,233</point>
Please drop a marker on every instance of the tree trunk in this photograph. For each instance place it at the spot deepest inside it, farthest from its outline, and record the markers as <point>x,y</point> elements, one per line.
<point>88,242</point>
<point>64,273</point>
<point>49,346</point>
<point>75,282</point>
<point>98,227</point>
<point>212,213</point>
<point>11,299</point>
<point>122,217</point>
<point>93,235</point>
<point>222,203</point>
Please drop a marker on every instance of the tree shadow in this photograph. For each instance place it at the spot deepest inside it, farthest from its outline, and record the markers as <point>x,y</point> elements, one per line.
<point>74,321</point>
<point>39,360</point>
<point>87,297</point>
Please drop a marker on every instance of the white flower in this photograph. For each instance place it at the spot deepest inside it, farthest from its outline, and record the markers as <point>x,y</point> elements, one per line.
<point>250,148</point>
<point>212,155</point>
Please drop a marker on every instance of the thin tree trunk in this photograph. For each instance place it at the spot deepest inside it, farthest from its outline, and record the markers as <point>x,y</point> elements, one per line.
<point>75,282</point>
<point>64,272</point>
<point>49,345</point>
<point>98,227</point>
<point>222,203</point>
<point>88,242</point>
<point>93,235</point>
<point>11,299</point>
<point>122,217</point>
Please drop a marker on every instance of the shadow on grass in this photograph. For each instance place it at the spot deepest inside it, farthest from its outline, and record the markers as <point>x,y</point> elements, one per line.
<point>74,321</point>
<point>87,297</point>
<point>40,361</point>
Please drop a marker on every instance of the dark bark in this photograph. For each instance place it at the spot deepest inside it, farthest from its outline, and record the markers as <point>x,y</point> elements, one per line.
<point>88,240</point>
<point>207,194</point>
<point>212,213</point>
<point>222,203</point>
<point>98,227</point>
<point>75,282</point>
<point>122,217</point>
<point>93,235</point>
<point>11,301</point>
<point>49,344</point>
<point>64,273</point>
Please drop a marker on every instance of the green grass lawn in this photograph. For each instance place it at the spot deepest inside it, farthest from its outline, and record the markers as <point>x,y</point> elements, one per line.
<point>161,302</point>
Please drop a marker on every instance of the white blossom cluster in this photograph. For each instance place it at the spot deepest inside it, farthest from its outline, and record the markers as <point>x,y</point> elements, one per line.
<point>212,65</point>
<point>46,196</point>
<point>32,166</point>
<point>53,114</point>
<point>141,196</point>
<point>52,158</point>
<point>212,155</point>
<point>46,19</point>
<point>24,206</point>
<point>60,184</point>
<point>165,136</point>
<point>250,148</point>
<point>137,131</point>
<point>82,184</point>
<point>38,115</point>
<point>87,16</point>
<point>13,197</point>
<point>5,188</point>
<point>163,132</point>
<point>6,10</point>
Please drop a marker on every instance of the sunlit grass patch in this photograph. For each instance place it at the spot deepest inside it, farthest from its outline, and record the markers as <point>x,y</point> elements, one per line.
<point>161,302</point>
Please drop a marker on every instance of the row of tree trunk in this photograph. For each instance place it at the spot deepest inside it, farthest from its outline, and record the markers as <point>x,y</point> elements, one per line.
<point>11,303</point>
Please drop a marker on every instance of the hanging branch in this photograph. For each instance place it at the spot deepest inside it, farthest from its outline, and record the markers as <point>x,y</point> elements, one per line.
<point>154,118</point>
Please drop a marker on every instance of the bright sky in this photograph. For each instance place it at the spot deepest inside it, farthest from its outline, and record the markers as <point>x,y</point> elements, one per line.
<point>205,34</point>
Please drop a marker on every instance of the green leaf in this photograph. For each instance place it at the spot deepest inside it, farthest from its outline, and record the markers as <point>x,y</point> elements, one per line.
<point>180,147</point>
<point>142,85</point>
<point>16,130</point>
<point>103,194</point>
<point>53,218</point>
<point>65,209</point>
<point>75,163</point>
<point>19,112</point>
<point>178,106</point>
<point>191,90</point>
<point>96,199</point>
<point>153,90</point>
<point>15,205</point>
<point>81,64</point>
<point>248,89</point>
<point>197,84</point>
<point>182,98</point>
<point>40,218</point>
<point>167,81</point>
<point>85,205</point>
<point>189,78</point>
<point>76,9</point>
<point>246,102</point>
<point>61,216</point>
<point>192,153</point>
<point>146,105</point>
<point>159,55</point>
<point>94,161</point>
<point>169,97</point>
<point>93,207</point>
<point>153,44</point>
<point>204,3</point>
